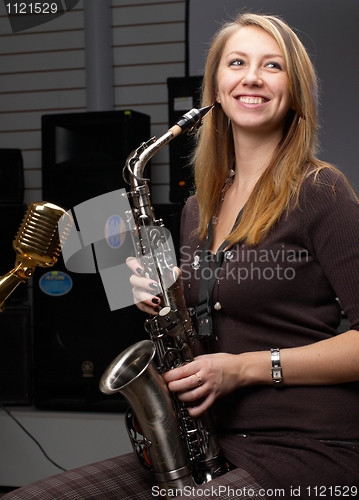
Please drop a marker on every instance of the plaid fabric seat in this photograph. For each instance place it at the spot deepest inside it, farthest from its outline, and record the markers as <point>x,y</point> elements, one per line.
<point>122,478</point>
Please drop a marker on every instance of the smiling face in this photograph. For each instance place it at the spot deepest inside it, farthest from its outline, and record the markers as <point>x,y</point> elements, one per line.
<point>252,82</point>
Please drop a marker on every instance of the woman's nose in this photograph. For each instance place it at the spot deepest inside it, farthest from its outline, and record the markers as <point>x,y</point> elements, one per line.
<point>252,77</point>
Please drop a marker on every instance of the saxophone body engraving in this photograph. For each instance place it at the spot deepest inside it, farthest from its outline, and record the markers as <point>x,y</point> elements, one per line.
<point>181,451</point>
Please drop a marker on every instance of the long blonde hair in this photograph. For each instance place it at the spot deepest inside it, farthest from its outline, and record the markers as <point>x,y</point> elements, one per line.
<point>214,155</point>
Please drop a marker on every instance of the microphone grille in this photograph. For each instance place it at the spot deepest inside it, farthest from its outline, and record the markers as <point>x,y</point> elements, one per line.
<point>38,237</point>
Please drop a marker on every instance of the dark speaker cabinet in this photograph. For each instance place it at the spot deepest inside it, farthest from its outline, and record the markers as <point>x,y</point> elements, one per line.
<point>83,154</point>
<point>183,94</point>
<point>76,335</point>
<point>15,357</point>
<point>11,176</point>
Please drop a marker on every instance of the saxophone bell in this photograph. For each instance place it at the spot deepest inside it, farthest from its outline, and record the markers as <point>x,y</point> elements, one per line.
<point>134,374</point>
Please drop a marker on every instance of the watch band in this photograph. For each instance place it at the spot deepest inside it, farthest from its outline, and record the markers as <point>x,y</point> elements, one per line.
<point>276,370</point>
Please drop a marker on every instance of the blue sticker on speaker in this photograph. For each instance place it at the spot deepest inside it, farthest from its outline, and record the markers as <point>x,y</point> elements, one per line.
<point>115,231</point>
<point>55,283</point>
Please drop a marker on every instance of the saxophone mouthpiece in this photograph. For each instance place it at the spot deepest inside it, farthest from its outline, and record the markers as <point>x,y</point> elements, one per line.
<point>205,110</point>
<point>192,119</point>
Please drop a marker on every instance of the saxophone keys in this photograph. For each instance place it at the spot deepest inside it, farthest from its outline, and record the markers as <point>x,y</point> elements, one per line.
<point>165,311</point>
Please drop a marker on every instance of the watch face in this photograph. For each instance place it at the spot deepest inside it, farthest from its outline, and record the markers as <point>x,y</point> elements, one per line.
<point>277,374</point>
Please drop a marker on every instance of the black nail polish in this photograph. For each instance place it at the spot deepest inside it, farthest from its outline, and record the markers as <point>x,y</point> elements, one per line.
<point>155,301</point>
<point>156,309</point>
<point>139,271</point>
<point>154,286</point>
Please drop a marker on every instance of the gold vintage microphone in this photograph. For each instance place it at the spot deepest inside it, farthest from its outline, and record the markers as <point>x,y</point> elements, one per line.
<point>37,243</point>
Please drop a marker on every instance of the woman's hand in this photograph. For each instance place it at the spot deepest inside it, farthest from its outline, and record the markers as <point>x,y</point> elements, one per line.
<point>144,290</point>
<point>205,379</point>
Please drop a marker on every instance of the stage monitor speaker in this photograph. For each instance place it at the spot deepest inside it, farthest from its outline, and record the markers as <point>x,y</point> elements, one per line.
<point>11,217</point>
<point>15,357</point>
<point>11,176</point>
<point>183,95</point>
<point>83,154</point>
<point>76,335</point>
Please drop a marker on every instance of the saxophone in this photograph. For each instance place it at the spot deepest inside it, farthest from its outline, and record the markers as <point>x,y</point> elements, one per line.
<point>180,450</point>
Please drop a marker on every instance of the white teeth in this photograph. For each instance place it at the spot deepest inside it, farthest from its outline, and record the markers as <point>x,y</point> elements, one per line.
<point>251,100</point>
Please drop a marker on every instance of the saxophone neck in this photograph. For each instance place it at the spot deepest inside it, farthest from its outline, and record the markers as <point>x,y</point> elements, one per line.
<point>137,163</point>
<point>143,154</point>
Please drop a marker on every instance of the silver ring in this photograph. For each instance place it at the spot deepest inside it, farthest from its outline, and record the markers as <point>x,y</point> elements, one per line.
<point>199,379</point>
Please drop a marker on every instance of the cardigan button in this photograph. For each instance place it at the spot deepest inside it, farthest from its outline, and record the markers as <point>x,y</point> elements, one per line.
<point>229,254</point>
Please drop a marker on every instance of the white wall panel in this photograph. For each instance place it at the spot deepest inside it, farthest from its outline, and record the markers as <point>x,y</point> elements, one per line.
<point>141,94</point>
<point>42,61</point>
<point>158,194</point>
<point>154,33</point>
<point>36,42</point>
<point>46,80</point>
<point>29,120</point>
<point>136,55</point>
<point>33,194</point>
<point>11,122</point>
<point>32,178</point>
<point>151,73</point>
<point>21,140</point>
<point>160,174</point>
<point>53,100</point>
<point>153,13</point>
<point>32,160</point>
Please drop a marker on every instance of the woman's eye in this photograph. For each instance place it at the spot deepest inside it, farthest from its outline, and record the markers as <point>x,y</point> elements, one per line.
<point>236,62</point>
<point>273,65</point>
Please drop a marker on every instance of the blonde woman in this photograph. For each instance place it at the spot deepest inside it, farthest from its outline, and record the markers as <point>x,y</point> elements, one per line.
<point>270,242</point>
<point>269,248</point>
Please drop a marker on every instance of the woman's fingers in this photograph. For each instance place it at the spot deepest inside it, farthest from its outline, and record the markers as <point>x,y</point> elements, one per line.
<point>144,289</point>
<point>197,394</point>
<point>206,378</point>
<point>135,266</point>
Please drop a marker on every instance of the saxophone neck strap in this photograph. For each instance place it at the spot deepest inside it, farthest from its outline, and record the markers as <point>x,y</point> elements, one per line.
<point>210,266</point>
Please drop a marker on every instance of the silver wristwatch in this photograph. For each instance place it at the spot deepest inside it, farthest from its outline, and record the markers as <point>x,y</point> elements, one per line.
<point>276,370</point>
